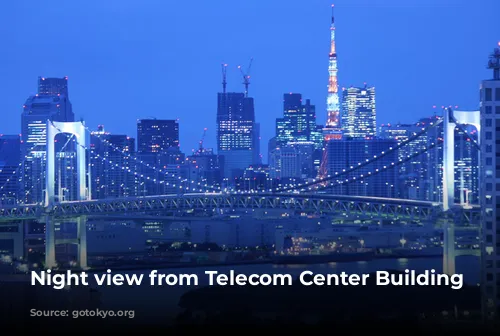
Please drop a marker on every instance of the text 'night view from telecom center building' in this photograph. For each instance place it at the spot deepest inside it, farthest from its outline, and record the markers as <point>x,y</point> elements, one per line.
<point>213,162</point>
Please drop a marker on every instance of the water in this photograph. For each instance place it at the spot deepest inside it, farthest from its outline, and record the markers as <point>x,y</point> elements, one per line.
<point>161,302</point>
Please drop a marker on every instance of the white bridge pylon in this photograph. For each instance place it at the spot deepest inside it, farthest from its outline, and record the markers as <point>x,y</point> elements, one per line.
<point>77,129</point>
<point>451,120</point>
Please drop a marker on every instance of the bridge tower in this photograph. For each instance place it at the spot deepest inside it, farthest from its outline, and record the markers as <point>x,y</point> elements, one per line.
<point>77,129</point>
<point>451,120</point>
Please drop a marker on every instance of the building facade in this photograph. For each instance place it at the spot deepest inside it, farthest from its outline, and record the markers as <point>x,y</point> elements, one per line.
<point>50,103</point>
<point>359,115</point>
<point>490,189</point>
<point>156,136</point>
<point>370,180</point>
<point>113,169</point>
<point>10,158</point>
<point>236,132</point>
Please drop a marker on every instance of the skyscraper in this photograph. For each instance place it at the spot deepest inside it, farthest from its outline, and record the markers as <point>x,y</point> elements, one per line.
<point>156,136</point>
<point>112,165</point>
<point>359,116</point>
<point>235,131</point>
<point>158,146</point>
<point>331,130</point>
<point>51,103</point>
<point>420,177</point>
<point>298,122</point>
<point>53,86</point>
<point>10,151</point>
<point>371,180</point>
<point>490,188</point>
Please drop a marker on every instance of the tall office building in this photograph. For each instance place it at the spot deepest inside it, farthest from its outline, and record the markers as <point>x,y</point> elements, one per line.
<point>490,189</point>
<point>157,146</point>
<point>466,166</point>
<point>156,136</point>
<point>298,122</point>
<point>359,116</point>
<point>10,151</point>
<point>294,160</point>
<point>420,177</point>
<point>50,103</point>
<point>371,180</point>
<point>298,128</point>
<point>53,86</point>
<point>235,132</point>
<point>113,169</point>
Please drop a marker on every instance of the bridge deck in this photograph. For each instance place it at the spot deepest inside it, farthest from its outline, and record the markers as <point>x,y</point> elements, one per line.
<point>319,203</point>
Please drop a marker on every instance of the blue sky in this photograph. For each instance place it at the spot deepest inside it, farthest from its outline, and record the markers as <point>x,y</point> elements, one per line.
<point>162,58</point>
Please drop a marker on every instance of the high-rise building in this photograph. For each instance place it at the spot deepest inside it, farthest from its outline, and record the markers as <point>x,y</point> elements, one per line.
<point>284,163</point>
<point>235,132</point>
<point>421,176</point>
<point>294,160</point>
<point>207,167</point>
<point>156,136</point>
<point>332,127</point>
<point>490,189</point>
<point>466,166</point>
<point>298,126</point>
<point>53,86</point>
<point>113,169</point>
<point>298,122</point>
<point>157,146</point>
<point>51,103</point>
<point>371,180</point>
<point>10,155</point>
<point>359,117</point>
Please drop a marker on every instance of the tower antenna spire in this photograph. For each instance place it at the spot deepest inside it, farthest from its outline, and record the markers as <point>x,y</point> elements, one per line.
<point>332,129</point>
<point>333,106</point>
<point>333,18</point>
<point>224,82</point>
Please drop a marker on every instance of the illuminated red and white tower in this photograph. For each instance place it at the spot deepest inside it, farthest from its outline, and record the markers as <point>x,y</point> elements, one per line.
<point>332,127</point>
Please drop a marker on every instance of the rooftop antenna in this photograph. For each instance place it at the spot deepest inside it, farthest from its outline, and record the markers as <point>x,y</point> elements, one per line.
<point>246,76</point>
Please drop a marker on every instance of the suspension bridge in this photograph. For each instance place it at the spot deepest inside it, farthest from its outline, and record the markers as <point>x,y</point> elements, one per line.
<point>316,196</point>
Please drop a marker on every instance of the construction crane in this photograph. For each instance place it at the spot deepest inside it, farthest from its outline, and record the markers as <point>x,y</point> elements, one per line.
<point>224,82</point>
<point>200,149</point>
<point>246,76</point>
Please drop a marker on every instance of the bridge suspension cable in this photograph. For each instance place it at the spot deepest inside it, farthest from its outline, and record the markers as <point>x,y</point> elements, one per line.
<point>462,128</point>
<point>385,168</point>
<point>114,165</point>
<point>147,178</point>
<point>378,170</point>
<point>362,164</point>
<point>147,165</point>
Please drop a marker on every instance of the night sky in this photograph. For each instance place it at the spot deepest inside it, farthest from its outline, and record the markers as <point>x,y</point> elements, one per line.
<point>137,59</point>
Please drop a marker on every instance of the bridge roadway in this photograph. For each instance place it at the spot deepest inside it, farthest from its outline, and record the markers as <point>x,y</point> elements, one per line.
<point>376,207</point>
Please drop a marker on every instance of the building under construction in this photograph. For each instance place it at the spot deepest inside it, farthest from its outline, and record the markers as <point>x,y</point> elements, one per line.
<point>237,132</point>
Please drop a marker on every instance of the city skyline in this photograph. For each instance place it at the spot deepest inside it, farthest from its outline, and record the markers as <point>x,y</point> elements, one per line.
<point>268,103</point>
<point>277,140</point>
